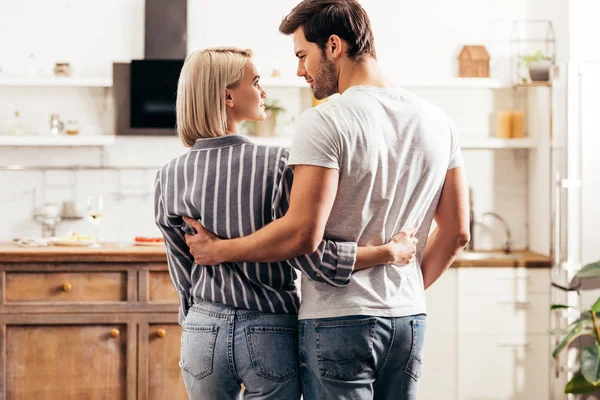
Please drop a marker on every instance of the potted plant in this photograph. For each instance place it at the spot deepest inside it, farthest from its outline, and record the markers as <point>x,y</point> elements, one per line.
<point>266,127</point>
<point>587,380</point>
<point>538,64</point>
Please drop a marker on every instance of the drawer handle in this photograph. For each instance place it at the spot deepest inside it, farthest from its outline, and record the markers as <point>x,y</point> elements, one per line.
<point>161,333</point>
<point>522,304</point>
<point>66,287</point>
<point>514,345</point>
<point>114,332</point>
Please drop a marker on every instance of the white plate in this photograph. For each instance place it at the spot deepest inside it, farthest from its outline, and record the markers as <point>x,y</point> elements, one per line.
<point>155,244</point>
<point>68,242</point>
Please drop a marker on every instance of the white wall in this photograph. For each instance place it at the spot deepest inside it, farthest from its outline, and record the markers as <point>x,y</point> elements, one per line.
<point>585,30</point>
<point>415,40</point>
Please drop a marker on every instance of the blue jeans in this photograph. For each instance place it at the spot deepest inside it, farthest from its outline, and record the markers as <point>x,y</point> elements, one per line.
<point>223,347</point>
<point>360,357</point>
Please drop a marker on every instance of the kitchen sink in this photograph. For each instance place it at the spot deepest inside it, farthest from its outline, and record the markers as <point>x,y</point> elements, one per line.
<point>487,255</point>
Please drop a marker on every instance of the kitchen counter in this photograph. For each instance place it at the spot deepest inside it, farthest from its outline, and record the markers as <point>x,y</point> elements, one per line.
<point>488,259</point>
<point>11,253</point>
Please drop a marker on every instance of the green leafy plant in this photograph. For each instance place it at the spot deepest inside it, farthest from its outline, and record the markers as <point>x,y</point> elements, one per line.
<point>273,106</point>
<point>527,59</point>
<point>587,380</point>
<point>524,62</point>
<point>267,127</point>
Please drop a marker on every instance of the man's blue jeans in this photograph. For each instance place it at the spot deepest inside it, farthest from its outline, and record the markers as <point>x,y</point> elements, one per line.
<point>361,357</point>
<point>222,347</point>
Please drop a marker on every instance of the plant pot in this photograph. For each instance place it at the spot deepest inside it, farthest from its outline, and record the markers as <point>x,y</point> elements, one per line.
<point>264,128</point>
<point>539,71</point>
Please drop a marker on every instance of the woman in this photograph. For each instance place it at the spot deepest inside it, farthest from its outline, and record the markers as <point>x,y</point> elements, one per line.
<point>239,319</point>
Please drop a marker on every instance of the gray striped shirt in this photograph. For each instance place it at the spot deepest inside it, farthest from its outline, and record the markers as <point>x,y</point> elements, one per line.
<point>235,187</point>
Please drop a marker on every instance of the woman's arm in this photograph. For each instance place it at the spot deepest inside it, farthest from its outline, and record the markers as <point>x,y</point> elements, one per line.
<point>179,258</point>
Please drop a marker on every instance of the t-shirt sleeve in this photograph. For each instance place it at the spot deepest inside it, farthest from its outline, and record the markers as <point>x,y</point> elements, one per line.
<point>316,142</point>
<point>456,158</point>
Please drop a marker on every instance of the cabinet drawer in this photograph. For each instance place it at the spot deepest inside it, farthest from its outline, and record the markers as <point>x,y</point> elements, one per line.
<point>161,289</point>
<point>24,287</point>
<point>512,367</point>
<point>504,314</point>
<point>503,280</point>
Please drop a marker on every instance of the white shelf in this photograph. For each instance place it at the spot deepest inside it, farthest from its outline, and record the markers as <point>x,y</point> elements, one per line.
<point>292,82</point>
<point>455,83</point>
<point>57,141</point>
<point>496,143</point>
<point>58,81</point>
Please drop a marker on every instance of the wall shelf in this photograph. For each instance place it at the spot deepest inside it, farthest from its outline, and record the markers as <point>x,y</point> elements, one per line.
<point>57,141</point>
<point>456,83</point>
<point>291,82</point>
<point>55,81</point>
<point>453,83</point>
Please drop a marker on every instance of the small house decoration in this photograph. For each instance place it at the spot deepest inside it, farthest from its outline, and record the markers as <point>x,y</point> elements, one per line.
<point>474,62</point>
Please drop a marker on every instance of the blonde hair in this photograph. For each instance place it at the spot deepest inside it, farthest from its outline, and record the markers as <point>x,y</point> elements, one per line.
<point>201,91</point>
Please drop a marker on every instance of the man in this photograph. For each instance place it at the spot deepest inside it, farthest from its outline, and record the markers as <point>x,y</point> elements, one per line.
<point>372,162</point>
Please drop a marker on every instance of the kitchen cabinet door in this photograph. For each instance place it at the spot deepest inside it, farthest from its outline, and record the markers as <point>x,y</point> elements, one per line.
<point>75,361</point>
<point>159,354</point>
<point>439,377</point>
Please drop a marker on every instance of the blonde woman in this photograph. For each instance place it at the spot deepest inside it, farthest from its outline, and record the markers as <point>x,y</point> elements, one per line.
<point>239,319</point>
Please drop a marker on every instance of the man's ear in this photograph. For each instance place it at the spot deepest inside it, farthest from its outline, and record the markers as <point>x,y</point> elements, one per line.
<point>334,46</point>
<point>228,98</point>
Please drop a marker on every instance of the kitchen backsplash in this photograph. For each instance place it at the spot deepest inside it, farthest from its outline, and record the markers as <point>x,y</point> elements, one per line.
<point>498,178</point>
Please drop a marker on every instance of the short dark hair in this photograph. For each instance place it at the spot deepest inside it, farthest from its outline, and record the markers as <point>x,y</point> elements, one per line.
<point>320,19</point>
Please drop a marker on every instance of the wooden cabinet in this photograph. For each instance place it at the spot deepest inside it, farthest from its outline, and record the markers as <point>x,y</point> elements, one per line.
<point>102,328</point>
<point>26,287</point>
<point>160,374</point>
<point>74,361</point>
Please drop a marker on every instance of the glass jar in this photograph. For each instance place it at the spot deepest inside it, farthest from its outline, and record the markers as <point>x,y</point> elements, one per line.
<point>72,127</point>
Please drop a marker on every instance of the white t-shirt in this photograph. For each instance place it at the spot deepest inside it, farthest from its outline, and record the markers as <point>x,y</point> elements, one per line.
<point>393,151</point>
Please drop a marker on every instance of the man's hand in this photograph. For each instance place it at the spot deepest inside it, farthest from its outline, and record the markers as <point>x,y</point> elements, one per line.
<point>403,247</point>
<point>203,245</point>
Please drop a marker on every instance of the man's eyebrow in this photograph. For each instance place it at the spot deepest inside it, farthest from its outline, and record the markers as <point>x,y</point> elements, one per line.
<point>255,78</point>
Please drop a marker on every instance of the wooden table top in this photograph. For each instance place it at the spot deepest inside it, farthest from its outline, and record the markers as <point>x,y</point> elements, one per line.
<point>12,253</point>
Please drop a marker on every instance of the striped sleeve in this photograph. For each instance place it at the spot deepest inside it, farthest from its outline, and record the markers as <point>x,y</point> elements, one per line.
<point>179,258</point>
<point>333,262</point>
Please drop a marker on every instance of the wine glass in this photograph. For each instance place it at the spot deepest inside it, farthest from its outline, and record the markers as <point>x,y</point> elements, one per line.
<point>95,214</point>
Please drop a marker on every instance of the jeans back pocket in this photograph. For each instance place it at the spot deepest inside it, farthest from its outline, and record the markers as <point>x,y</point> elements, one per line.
<point>197,350</point>
<point>345,347</point>
<point>414,366</point>
<point>273,351</point>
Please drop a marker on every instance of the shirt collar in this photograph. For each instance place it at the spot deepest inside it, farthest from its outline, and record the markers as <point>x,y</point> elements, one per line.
<point>221,141</point>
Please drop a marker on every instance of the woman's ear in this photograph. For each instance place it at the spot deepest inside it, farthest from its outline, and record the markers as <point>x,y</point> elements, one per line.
<point>228,98</point>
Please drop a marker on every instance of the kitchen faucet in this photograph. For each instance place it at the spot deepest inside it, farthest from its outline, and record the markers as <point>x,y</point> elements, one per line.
<point>508,238</point>
<point>473,220</point>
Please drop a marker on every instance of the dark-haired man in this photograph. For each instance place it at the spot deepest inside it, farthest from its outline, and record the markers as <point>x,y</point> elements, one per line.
<point>372,162</point>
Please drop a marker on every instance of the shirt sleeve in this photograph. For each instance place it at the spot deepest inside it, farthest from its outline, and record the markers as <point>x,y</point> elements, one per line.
<point>179,258</point>
<point>316,142</point>
<point>456,158</point>
<point>333,261</point>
